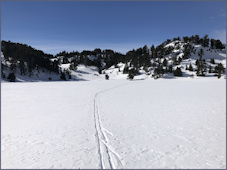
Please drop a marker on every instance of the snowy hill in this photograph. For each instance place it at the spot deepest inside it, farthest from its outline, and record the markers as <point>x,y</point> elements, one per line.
<point>171,59</point>
<point>219,56</point>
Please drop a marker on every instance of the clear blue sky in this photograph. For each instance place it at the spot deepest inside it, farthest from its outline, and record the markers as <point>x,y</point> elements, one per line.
<point>53,26</point>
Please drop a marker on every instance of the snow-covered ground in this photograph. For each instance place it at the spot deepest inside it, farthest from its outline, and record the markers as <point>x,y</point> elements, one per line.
<point>165,123</point>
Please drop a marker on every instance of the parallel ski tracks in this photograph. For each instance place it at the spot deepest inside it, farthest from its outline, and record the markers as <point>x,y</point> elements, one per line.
<point>107,156</point>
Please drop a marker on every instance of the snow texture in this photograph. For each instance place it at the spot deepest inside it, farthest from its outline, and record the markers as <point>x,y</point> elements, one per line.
<point>177,123</point>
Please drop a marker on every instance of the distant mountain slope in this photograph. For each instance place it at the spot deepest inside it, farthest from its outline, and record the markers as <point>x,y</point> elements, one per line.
<point>187,57</point>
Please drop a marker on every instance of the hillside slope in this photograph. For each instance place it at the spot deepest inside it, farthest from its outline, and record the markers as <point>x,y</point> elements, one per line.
<point>187,58</point>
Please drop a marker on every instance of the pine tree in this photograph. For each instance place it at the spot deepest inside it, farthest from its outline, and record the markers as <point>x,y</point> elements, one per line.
<point>126,69</point>
<point>210,69</point>
<point>13,66</point>
<point>153,52</point>
<point>164,62</point>
<point>212,61</point>
<point>177,72</point>
<point>186,39</point>
<point>170,70</point>
<point>219,74</point>
<point>190,68</point>
<point>11,77</point>
<point>219,45</point>
<point>200,54</point>
<point>186,68</point>
<point>62,77</point>
<point>196,39</point>
<point>206,41</point>
<point>212,43</point>
<point>130,76</point>
<point>22,68</point>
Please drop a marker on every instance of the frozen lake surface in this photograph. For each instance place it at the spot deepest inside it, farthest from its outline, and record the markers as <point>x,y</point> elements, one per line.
<point>177,123</point>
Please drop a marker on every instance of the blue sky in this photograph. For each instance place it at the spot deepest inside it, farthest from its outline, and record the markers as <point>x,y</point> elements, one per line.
<point>54,26</point>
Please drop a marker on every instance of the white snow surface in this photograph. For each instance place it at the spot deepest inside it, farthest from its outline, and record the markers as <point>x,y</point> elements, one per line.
<point>173,123</point>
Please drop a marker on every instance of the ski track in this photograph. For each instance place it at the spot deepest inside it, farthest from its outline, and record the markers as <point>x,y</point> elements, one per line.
<point>108,157</point>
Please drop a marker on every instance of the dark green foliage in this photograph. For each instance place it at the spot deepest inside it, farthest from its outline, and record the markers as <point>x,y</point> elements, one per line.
<point>197,62</point>
<point>107,77</point>
<point>22,68</point>
<point>175,61</point>
<point>170,70</point>
<point>25,53</point>
<point>219,75</point>
<point>205,42</point>
<point>73,65</point>
<point>100,70</point>
<point>179,60</point>
<point>130,76</point>
<point>186,67</point>
<point>68,73</point>
<point>178,38</point>
<point>177,72</point>
<point>186,39</point>
<point>196,39</point>
<point>210,69</point>
<point>3,75</point>
<point>29,60</point>
<point>153,54</point>
<point>126,69</point>
<point>133,71</point>
<point>13,66</point>
<point>200,53</point>
<point>11,77</point>
<point>159,71</point>
<point>212,43</point>
<point>2,70</point>
<point>62,77</point>
<point>201,67</point>
<point>187,50</point>
<point>212,61</point>
<point>219,68</point>
<point>190,68</point>
<point>219,45</point>
<point>65,60</point>
<point>165,62</point>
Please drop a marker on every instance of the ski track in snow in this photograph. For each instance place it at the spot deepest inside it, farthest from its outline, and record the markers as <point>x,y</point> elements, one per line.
<point>108,157</point>
<point>112,124</point>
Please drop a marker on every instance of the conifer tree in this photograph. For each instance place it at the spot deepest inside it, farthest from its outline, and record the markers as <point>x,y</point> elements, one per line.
<point>107,77</point>
<point>177,72</point>
<point>210,69</point>
<point>190,68</point>
<point>212,61</point>
<point>165,62</point>
<point>22,68</point>
<point>62,77</point>
<point>11,77</point>
<point>206,41</point>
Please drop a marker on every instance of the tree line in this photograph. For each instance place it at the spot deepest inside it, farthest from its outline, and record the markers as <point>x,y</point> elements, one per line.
<point>28,59</point>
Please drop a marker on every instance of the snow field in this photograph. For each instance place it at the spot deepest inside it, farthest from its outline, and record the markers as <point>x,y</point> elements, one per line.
<point>179,123</point>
